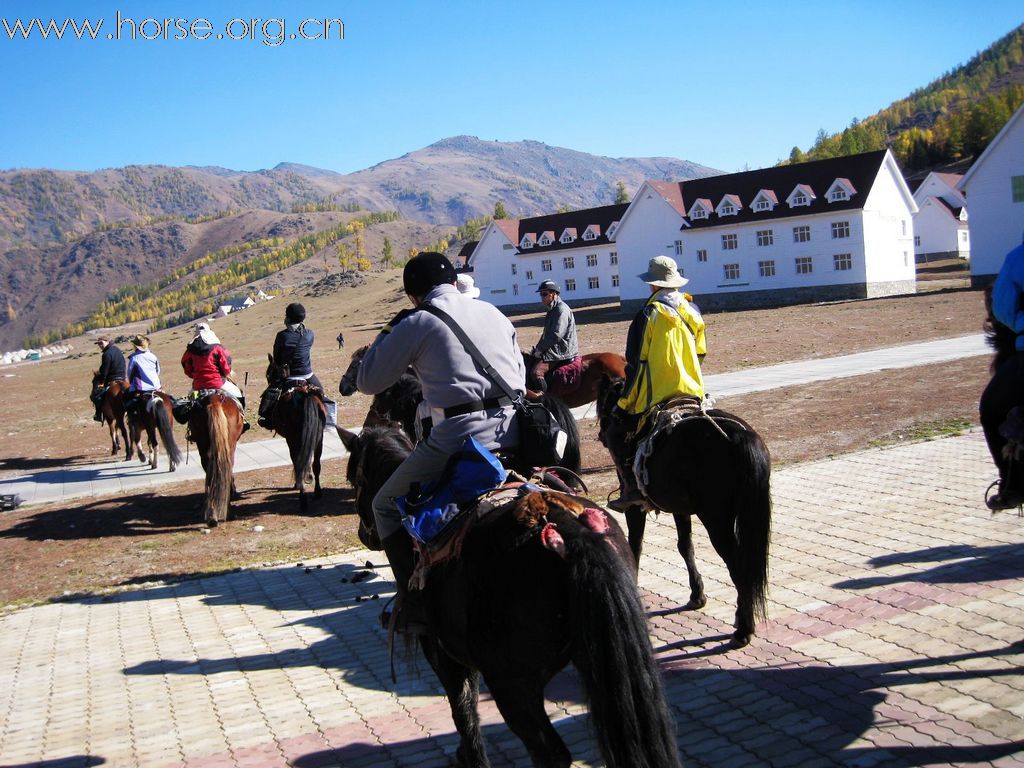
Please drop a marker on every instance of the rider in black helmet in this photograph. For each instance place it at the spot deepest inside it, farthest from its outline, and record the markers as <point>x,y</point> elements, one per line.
<point>292,347</point>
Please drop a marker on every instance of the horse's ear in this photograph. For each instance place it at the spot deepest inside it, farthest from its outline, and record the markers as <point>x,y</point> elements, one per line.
<point>347,438</point>
<point>270,358</point>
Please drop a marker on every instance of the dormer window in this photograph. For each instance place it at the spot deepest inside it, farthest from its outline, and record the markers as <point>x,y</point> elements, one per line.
<point>611,228</point>
<point>700,209</point>
<point>546,239</point>
<point>840,191</point>
<point>765,201</point>
<point>729,206</point>
<point>592,232</point>
<point>800,196</point>
<point>529,240</point>
<point>568,236</point>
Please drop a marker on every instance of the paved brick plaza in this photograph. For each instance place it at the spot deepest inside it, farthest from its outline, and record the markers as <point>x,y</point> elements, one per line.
<point>896,638</point>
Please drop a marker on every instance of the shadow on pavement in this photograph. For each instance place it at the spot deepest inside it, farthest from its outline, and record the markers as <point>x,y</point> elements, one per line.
<point>960,564</point>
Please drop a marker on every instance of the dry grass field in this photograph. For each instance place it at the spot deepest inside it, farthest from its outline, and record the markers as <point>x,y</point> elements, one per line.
<point>103,544</point>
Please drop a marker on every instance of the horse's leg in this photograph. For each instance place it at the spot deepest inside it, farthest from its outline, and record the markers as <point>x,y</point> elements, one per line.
<point>521,702</point>
<point>636,523</point>
<point>721,531</point>
<point>151,434</point>
<point>684,543</point>
<point>317,490</point>
<point>124,433</point>
<point>462,686</point>
<point>115,447</point>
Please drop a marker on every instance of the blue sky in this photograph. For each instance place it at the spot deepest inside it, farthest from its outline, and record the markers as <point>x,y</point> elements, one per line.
<point>726,85</point>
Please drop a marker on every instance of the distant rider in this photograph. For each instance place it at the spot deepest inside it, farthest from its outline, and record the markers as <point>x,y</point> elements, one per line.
<point>558,344</point>
<point>112,368</point>
<point>664,349</point>
<point>292,347</point>
<point>1006,389</point>
<point>143,372</point>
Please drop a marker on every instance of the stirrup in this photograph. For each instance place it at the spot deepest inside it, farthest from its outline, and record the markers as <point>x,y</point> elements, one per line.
<point>627,502</point>
<point>1004,499</point>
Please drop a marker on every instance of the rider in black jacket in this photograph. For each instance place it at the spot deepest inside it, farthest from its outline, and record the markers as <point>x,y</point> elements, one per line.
<point>292,347</point>
<point>112,368</point>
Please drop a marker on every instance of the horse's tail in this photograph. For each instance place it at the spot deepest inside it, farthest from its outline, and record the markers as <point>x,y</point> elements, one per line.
<point>218,486</point>
<point>166,430</point>
<point>312,432</point>
<point>571,458</point>
<point>753,508</point>
<point>613,655</point>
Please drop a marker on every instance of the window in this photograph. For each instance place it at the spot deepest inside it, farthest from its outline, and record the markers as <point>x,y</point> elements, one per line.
<point>613,258</point>
<point>702,254</point>
<point>727,210</point>
<point>732,271</point>
<point>1017,185</point>
<point>507,246</point>
<point>917,241</point>
<point>590,234</point>
<point>679,247</point>
<point>838,194</point>
<point>842,261</point>
<point>615,281</point>
<point>545,266</point>
<point>799,199</point>
<point>840,229</point>
<point>591,259</point>
<point>963,236</point>
<point>568,236</point>
<point>762,205</point>
<point>593,282</point>
<point>529,274</point>
<point>801,234</point>
<point>544,240</point>
<point>570,285</point>
<point>765,237</point>
<point>728,242</point>
<point>515,289</point>
<point>514,267</point>
<point>903,227</point>
<point>526,244</point>
<point>698,212</point>
<point>803,265</point>
<point>568,262</point>
<point>766,268</point>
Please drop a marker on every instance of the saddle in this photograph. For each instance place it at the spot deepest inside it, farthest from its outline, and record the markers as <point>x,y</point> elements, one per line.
<point>566,379</point>
<point>527,504</point>
<point>182,406</point>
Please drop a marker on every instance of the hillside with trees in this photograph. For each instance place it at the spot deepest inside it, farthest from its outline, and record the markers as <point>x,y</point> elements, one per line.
<point>951,119</point>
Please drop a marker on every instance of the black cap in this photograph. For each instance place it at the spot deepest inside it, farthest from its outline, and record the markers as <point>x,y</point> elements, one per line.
<point>294,313</point>
<point>549,285</point>
<point>425,270</point>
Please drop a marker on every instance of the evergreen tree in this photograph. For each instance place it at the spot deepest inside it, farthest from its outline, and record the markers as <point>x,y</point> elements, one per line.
<point>499,210</point>
<point>621,195</point>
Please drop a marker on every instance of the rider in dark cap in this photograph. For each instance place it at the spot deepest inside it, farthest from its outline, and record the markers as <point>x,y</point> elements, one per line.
<point>292,347</point>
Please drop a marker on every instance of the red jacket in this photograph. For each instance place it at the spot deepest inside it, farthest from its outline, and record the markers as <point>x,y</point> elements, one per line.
<point>207,365</point>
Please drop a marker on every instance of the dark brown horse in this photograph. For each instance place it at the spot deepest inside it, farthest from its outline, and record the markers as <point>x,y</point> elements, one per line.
<point>151,414</point>
<point>215,424</point>
<point>395,406</point>
<point>717,468</point>
<point>299,416</point>
<point>595,367</point>
<point>517,607</point>
<point>112,410</point>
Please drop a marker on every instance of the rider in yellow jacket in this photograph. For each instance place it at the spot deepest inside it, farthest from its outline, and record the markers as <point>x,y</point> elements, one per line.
<point>664,350</point>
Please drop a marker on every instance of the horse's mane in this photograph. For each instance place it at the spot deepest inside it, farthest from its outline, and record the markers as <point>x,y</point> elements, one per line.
<point>1002,339</point>
<point>378,451</point>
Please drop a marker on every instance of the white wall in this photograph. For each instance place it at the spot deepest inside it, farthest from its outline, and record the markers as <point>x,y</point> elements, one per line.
<point>939,232</point>
<point>649,228</point>
<point>997,223</point>
<point>933,186</point>
<point>889,228</point>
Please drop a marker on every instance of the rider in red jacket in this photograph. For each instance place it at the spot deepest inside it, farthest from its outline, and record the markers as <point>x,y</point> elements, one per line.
<point>208,364</point>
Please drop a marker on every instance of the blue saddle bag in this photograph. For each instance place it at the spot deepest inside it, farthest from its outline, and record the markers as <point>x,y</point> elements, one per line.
<point>430,510</point>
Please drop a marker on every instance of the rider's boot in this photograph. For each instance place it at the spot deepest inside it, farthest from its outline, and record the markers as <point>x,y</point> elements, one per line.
<point>412,615</point>
<point>629,498</point>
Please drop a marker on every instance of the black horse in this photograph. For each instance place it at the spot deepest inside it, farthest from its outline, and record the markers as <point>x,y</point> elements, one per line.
<point>397,405</point>
<point>518,605</point>
<point>718,469</point>
<point>299,416</point>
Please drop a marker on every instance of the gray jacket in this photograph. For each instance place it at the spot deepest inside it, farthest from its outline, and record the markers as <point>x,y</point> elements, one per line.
<point>558,342</point>
<point>447,372</point>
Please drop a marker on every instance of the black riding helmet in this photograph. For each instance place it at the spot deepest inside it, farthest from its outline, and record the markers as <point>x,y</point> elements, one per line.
<point>294,313</point>
<point>425,270</point>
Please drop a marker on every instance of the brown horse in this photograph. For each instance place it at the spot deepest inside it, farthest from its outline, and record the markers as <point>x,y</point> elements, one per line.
<point>595,367</point>
<point>215,424</point>
<point>151,413</point>
<point>523,600</point>
<point>299,416</point>
<point>717,468</point>
<point>112,410</point>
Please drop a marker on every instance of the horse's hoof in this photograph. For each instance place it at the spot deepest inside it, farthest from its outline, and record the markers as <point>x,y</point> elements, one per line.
<point>695,604</point>
<point>740,639</point>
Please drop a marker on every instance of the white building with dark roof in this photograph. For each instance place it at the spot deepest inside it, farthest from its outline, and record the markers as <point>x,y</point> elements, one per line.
<point>828,229</point>
<point>994,188</point>
<point>940,224</point>
<point>576,249</point>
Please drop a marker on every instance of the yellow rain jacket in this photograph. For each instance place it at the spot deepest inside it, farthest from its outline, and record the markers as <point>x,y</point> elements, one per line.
<point>668,364</point>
